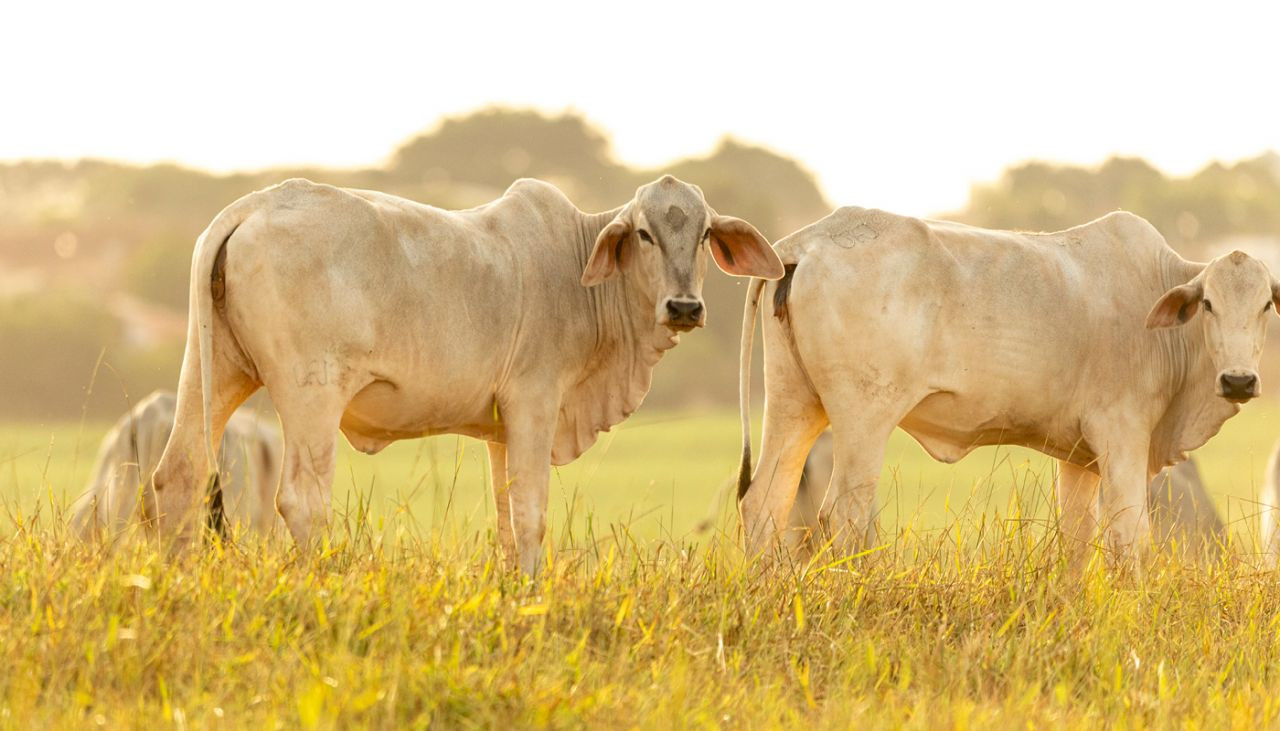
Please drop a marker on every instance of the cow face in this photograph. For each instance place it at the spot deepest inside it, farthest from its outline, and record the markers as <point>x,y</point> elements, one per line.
<point>1236,292</point>
<point>661,240</point>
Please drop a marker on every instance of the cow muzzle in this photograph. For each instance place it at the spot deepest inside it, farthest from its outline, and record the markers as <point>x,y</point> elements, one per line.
<point>1238,386</point>
<point>684,314</point>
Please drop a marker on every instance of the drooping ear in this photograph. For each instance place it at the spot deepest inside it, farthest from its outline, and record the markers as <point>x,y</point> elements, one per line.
<point>611,252</point>
<point>740,250</point>
<point>1178,305</point>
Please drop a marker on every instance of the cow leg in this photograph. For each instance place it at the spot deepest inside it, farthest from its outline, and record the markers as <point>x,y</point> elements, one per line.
<point>270,457</point>
<point>813,485</point>
<point>848,505</point>
<point>1269,504</point>
<point>310,424</point>
<point>1125,477</point>
<point>1077,506</point>
<point>530,430</point>
<point>502,498</point>
<point>793,419</point>
<point>183,472</point>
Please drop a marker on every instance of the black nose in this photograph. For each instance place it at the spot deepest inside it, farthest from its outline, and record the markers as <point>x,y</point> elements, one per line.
<point>684,312</point>
<point>1238,387</point>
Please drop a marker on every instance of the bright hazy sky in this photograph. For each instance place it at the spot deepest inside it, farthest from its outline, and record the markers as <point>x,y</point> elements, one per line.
<point>894,104</point>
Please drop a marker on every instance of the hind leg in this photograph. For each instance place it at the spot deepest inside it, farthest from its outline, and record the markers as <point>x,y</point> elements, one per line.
<point>184,470</point>
<point>807,517</point>
<point>310,424</point>
<point>813,485</point>
<point>861,427</point>
<point>793,419</point>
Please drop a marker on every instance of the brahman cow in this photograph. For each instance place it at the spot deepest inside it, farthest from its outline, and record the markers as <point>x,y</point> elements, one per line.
<point>1064,342</point>
<point>249,470</point>
<point>1182,512</point>
<point>524,322</point>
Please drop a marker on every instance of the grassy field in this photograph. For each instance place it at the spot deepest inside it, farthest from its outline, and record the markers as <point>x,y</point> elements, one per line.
<point>965,616</point>
<point>661,475</point>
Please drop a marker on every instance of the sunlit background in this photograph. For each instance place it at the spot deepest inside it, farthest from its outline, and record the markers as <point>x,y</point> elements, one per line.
<point>124,129</point>
<point>900,105</point>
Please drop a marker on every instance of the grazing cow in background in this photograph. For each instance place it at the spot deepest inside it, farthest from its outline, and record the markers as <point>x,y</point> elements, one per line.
<point>1181,509</point>
<point>249,470</point>
<point>1182,512</point>
<point>524,322</point>
<point>1083,344</point>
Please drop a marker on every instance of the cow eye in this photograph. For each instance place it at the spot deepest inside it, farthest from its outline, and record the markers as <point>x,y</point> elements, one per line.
<point>1267,306</point>
<point>706,234</point>
<point>1208,306</point>
<point>644,236</point>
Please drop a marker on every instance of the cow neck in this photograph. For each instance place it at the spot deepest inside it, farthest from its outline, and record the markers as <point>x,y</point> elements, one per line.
<point>628,344</point>
<point>1196,412</point>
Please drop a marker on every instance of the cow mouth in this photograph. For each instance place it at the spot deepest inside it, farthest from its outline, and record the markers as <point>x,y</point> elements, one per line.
<point>682,326</point>
<point>1237,395</point>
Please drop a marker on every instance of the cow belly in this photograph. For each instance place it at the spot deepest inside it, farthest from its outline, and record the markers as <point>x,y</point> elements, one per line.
<point>948,427</point>
<point>382,413</point>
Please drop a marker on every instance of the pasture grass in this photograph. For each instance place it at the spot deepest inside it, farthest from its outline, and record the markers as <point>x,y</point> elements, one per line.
<point>966,614</point>
<point>661,475</point>
<point>983,627</point>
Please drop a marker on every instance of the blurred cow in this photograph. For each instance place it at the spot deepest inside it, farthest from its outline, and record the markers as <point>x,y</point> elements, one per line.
<point>249,471</point>
<point>1181,510</point>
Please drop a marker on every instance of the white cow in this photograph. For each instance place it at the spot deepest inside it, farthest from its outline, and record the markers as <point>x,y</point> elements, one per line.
<point>249,469</point>
<point>524,322</point>
<point>1063,342</point>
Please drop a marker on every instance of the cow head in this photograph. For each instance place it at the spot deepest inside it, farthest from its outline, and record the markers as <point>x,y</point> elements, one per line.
<point>661,240</point>
<point>1236,292</point>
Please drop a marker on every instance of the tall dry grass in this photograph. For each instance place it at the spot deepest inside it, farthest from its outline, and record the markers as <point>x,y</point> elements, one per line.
<point>396,624</point>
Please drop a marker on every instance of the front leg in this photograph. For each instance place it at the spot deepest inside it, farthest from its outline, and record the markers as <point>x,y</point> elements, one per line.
<point>1125,475</point>
<point>529,422</point>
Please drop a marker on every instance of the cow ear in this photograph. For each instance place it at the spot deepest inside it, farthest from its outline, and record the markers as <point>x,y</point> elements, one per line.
<point>740,250</point>
<point>611,251</point>
<point>1178,305</point>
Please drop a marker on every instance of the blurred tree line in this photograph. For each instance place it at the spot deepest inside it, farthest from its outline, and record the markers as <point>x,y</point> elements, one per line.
<point>1218,202</point>
<point>94,255</point>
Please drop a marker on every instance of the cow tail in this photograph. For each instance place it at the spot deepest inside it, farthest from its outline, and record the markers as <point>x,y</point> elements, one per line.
<point>744,380</point>
<point>209,247</point>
